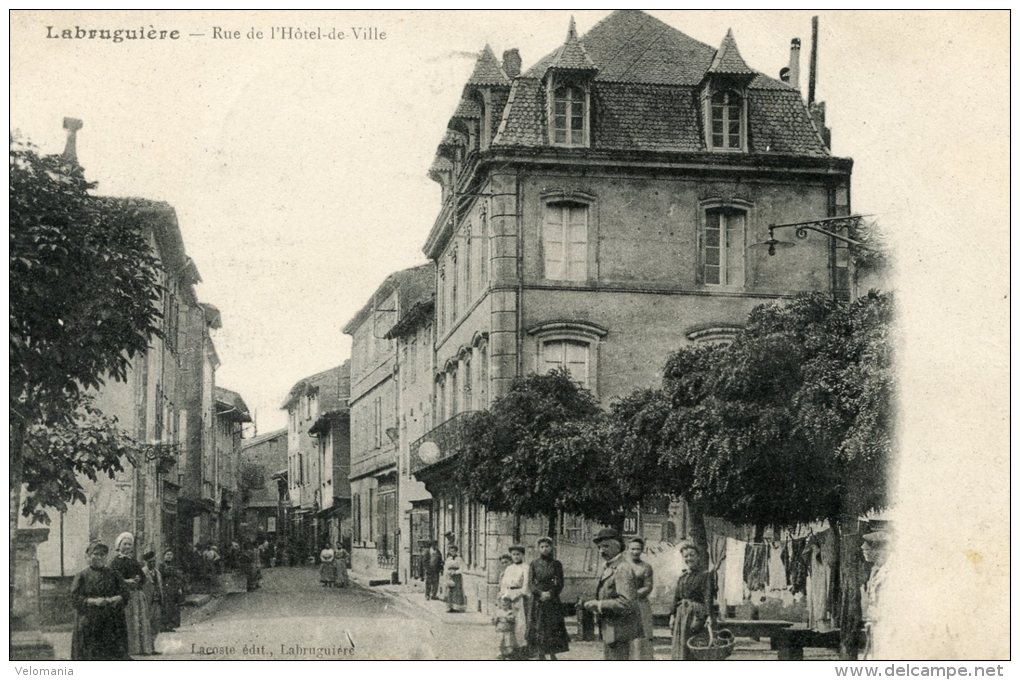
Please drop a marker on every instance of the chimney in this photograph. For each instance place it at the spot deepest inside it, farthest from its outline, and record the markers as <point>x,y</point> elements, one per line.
<point>72,125</point>
<point>794,77</point>
<point>813,72</point>
<point>512,63</point>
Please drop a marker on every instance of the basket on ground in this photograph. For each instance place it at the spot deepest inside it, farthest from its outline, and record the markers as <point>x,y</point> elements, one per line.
<point>711,645</point>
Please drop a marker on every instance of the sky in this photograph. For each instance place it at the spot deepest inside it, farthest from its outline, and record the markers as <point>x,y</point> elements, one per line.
<point>298,173</point>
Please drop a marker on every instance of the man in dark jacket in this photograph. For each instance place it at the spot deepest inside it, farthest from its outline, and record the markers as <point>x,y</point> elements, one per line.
<point>615,602</point>
<point>433,566</point>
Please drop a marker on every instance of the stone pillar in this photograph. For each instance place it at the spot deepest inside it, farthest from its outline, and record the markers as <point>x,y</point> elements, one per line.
<point>505,275</point>
<point>26,642</point>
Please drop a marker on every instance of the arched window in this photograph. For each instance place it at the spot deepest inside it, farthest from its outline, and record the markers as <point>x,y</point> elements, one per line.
<point>727,120</point>
<point>569,345</point>
<point>570,116</point>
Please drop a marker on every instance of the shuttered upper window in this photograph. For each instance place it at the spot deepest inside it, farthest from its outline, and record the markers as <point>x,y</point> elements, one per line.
<point>565,241</point>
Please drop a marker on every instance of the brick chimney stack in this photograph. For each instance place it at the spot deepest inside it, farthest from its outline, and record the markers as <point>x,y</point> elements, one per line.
<point>72,125</point>
<point>512,63</point>
<point>794,77</point>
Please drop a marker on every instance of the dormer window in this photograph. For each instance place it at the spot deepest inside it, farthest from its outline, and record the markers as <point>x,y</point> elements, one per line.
<point>728,120</point>
<point>570,116</point>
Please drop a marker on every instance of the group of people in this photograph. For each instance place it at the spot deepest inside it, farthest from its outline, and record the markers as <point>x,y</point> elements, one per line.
<point>333,567</point>
<point>622,608</point>
<point>122,606</point>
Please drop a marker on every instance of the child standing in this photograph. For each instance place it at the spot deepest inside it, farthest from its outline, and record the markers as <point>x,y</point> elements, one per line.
<point>505,621</point>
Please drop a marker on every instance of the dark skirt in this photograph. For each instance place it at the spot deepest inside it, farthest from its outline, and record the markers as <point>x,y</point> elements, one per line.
<point>547,633</point>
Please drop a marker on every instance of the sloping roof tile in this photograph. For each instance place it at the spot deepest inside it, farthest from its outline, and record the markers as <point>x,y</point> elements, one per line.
<point>727,59</point>
<point>571,56</point>
<point>488,71</point>
<point>468,108</point>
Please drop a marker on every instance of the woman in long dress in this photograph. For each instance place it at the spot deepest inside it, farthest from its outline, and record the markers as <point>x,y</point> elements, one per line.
<point>341,566</point>
<point>692,603</point>
<point>153,590</point>
<point>140,640</point>
<point>547,633</point>
<point>99,595</point>
<point>455,600</point>
<point>513,588</point>
<point>642,647</point>
<point>173,591</point>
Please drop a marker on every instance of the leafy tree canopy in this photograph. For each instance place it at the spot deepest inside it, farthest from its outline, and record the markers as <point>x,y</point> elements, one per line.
<point>84,288</point>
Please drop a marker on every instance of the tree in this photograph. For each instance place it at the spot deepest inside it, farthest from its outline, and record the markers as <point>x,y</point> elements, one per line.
<point>534,450</point>
<point>84,288</point>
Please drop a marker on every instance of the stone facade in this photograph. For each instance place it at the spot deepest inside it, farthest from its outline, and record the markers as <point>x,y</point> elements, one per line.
<point>605,250</point>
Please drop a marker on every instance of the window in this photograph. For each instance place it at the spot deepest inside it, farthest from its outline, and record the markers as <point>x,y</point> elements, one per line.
<point>356,529</point>
<point>453,287</point>
<point>569,354</point>
<point>723,247</point>
<point>467,385</point>
<point>468,284</point>
<point>441,298</point>
<point>411,361</point>
<point>371,508</point>
<point>482,400</point>
<point>727,120</point>
<point>483,251</point>
<point>569,117</point>
<point>565,241</point>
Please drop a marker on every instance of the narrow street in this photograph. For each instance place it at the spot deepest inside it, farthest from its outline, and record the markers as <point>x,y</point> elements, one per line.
<point>292,617</point>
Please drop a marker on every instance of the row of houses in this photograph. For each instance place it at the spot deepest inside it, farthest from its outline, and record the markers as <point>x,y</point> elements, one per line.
<point>180,488</point>
<point>599,210</point>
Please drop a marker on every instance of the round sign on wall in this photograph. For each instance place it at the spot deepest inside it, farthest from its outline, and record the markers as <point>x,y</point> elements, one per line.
<point>428,452</point>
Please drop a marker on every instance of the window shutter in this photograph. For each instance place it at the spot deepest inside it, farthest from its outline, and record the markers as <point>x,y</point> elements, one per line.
<point>577,234</point>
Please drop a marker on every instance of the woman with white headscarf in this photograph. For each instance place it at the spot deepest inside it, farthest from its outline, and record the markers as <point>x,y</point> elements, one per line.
<point>141,641</point>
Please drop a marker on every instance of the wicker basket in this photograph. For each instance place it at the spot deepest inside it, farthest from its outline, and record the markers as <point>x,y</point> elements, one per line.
<point>711,645</point>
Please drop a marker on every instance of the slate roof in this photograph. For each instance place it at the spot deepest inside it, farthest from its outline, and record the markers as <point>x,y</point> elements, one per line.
<point>645,96</point>
<point>727,59</point>
<point>488,71</point>
<point>333,384</point>
<point>571,56</point>
<point>231,399</point>
<point>413,285</point>
<point>468,108</point>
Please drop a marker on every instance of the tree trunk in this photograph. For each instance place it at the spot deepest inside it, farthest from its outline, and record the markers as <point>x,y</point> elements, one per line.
<point>699,534</point>
<point>551,533</point>
<point>851,572</point>
<point>18,428</point>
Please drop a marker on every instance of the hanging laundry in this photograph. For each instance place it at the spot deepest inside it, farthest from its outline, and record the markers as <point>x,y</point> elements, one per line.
<point>733,569</point>
<point>718,563</point>
<point>821,559</point>
<point>797,565</point>
<point>777,570</point>
<point>756,566</point>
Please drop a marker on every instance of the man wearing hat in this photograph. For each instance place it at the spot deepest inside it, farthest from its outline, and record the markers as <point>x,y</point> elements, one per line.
<point>616,598</point>
<point>876,551</point>
<point>99,595</point>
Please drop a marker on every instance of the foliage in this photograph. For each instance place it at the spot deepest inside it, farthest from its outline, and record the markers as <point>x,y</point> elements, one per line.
<point>791,422</point>
<point>88,444</point>
<point>537,450</point>
<point>251,476</point>
<point>84,288</point>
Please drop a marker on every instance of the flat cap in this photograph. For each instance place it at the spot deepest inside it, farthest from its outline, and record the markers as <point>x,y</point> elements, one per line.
<point>607,534</point>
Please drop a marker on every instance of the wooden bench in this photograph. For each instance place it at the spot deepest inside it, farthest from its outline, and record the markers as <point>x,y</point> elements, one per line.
<point>790,642</point>
<point>753,628</point>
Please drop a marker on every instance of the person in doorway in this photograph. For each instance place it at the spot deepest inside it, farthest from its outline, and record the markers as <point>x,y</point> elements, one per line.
<point>99,596</point>
<point>547,632</point>
<point>642,647</point>
<point>513,587</point>
<point>140,640</point>
<point>615,602</point>
<point>153,591</point>
<point>455,600</point>
<point>433,568</point>
<point>876,552</point>
<point>173,592</point>
<point>692,602</point>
